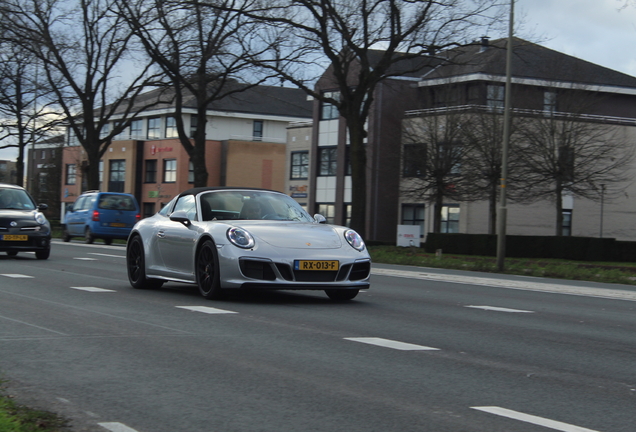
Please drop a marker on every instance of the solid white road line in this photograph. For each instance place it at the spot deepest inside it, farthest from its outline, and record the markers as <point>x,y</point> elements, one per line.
<point>499,309</point>
<point>206,309</point>
<point>392,344</point>
<point>16,276</point>
<point>93,289</point>
<point>116,427</point>
<point>616,294</point>
<point>552,424</point>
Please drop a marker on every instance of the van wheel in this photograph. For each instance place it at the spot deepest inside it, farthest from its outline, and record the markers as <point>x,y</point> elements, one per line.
<point>66,236</point>
<point>108,241</point>
<point>88,236</point>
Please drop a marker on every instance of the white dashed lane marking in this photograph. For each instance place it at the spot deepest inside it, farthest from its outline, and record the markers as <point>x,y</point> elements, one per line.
<point>500,309</point>
<point>206,309</point>
<point>92,289</point>
<point>85,259</point>
<point>551,424</point>
<point>386,343</point>
<point>16,276</point>
<point>116,427</point>
<point>107,255</point>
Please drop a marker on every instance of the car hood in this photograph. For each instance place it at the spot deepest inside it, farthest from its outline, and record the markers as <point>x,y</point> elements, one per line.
<point>8,215</point>
<point>296,235</point>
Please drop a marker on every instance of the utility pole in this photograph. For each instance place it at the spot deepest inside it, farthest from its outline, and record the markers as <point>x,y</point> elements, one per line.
<point>501,219</point>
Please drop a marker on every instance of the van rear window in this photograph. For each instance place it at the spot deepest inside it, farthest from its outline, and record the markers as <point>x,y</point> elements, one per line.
<point>116,202</point>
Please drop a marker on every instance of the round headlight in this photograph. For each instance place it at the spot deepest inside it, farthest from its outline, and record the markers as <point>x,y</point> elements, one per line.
<point>241,238</point>
<point>40,218</point>
<point>354,239</point>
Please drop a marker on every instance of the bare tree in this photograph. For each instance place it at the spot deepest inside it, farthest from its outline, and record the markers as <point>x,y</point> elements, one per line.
<point>203,48</point>
<point>364,43</point>
<point>25,105</point>
<point>82,46</point>
<point>569,152</point>
<point>433,160</point>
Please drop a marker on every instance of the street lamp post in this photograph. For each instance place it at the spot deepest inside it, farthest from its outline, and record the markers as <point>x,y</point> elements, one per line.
<point>501,218</point>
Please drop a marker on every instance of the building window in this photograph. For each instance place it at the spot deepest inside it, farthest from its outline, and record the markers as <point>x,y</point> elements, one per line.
<point>70,174</point>
<point>151,171</point>
<point>328,211</point>
<point>328,110</point>
<point>149,209</point>
<point>299,165</point>
<point>171,127</point>
<point>549,102</point>
<point>154,128</point>
<point>414,160</point>
<point>190,172</point>
<point>257,130</point>
<point>347,212</point>
<point>194,121</point>
<point>495,96</point>
<point>169,170</point>
<point>43,154</point>
<point>104,130</point>
<point>101,173</point>
<point>117,177</point>
<point>413,214</point>
<point>567,223</point>
<point>450,218</point>
<point>136,127</point>
<point>327,161</point>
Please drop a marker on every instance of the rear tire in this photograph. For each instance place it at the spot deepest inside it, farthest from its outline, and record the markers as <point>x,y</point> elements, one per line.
<point>88,236</point>
<point>342,294</point>
<point>108,241</point>
<point>207,272</point>
<point>12,253</point>
<point>136,265</point>
<point>66,236</point>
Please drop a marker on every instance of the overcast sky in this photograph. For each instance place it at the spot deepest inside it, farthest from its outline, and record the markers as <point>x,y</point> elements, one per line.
<point>600,31</point>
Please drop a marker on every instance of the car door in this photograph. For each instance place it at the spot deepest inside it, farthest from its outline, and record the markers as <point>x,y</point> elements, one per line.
<point>176,241</point>
<point>73,221</point>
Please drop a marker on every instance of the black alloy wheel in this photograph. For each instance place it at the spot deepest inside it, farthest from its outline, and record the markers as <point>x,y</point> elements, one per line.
<point>207,272</point>
<point>136,265</point>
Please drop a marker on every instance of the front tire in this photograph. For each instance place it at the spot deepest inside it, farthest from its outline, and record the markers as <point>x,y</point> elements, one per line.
<point>66,236</point>
<point>136,264</point>
<point>342,294</point>
<point>43,254</point>
<point>207,272</point>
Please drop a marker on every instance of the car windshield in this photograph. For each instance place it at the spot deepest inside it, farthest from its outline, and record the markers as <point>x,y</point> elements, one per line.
<point>15,199</point>
<point>116,202</point>
<point>251,205</point>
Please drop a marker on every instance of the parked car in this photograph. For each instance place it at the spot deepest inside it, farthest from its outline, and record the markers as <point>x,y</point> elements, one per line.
<point>240,238</point>
<point>23,226</point>
<point>105,215</point>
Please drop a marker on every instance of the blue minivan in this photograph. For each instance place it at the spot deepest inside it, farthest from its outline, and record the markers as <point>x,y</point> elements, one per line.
<point>105,215</point>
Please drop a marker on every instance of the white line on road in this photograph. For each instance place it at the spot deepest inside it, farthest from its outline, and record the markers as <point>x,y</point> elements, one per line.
<point>206,309</point>
<point>107,255</point>
<point>552,424</point>
<point>392,344</point>
<point>500,309</point>
<point>616,294</point>
<point>92,289</point>
<point>86,259</point>
<point>116,427</point>
<point>16,276</point>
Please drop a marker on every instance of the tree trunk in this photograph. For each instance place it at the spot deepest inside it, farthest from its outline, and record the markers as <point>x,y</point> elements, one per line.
<point>358,158</point>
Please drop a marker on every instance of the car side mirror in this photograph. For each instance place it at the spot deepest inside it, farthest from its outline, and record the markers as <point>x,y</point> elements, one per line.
<point>69,208</point>
<point>42,207</point>
<point>320,218</point>
<point>180,216</point>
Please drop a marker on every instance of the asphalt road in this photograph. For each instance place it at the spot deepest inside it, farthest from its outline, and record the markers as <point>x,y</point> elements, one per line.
<point>422,350</point>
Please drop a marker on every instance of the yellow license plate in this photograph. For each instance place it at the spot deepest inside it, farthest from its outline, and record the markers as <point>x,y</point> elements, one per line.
<point>118,225</point>
<point>316,265</point>
<point>15,237</point>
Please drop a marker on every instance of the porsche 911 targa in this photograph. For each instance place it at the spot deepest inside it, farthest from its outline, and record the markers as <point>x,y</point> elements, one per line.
<point>240,238</point>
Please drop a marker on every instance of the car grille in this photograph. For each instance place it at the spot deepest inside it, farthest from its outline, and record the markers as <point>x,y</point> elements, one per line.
<point>264,270</point>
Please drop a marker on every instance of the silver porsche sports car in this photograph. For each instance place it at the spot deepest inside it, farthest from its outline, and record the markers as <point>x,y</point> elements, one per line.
<point>232,238</point>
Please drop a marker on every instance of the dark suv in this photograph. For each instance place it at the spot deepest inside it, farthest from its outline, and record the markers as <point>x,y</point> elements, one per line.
<point>105,215</point>
<point>23,227</point>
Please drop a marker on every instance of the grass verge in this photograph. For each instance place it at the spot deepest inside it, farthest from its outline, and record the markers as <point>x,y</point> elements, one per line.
<point>19,418</point>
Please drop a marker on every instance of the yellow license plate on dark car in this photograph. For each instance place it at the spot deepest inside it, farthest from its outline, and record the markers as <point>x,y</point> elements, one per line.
<point>316,265</point>
<point>15,237</point>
